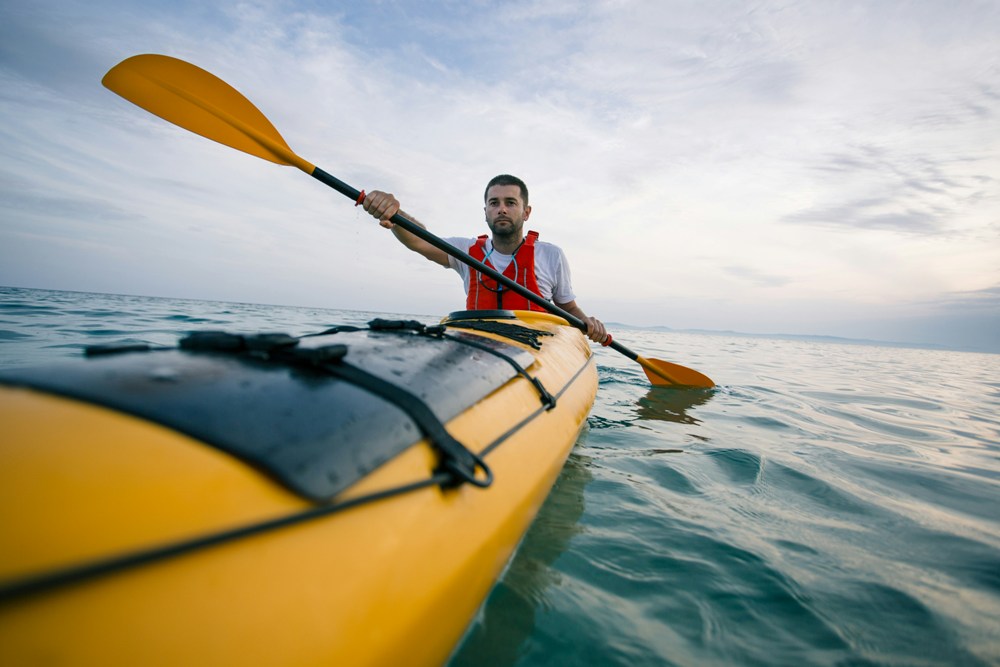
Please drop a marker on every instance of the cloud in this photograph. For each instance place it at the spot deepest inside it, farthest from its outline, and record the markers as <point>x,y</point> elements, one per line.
<point>765,153</point>
<point>869,214</point>
<point>898,190</point>
<point>757,277</point>
<point>981,300</point>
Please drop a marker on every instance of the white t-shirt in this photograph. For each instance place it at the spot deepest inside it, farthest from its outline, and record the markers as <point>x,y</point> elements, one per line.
<point>551,267</point>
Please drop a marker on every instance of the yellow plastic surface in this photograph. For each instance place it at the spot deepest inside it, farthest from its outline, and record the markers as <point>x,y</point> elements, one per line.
<point>394,582</point>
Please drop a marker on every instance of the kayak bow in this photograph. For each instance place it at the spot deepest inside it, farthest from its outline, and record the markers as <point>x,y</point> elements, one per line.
<point>279,500</point>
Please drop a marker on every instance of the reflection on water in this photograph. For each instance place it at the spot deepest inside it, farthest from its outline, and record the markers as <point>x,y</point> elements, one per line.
<point>508,618</point>
<point>672,405</point>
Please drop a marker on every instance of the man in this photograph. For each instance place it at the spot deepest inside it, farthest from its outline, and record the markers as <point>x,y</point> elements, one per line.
<point>539,266</point>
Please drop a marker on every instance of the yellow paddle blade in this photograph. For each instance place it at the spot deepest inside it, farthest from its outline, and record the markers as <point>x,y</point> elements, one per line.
<point>201,102</point>
<point>665,374</point>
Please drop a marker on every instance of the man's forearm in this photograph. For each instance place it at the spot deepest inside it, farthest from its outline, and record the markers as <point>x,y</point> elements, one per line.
<point>417,244</point>
<point>408,239</point>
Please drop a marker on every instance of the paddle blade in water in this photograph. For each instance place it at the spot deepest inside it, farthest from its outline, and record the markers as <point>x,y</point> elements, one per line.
<point>665,374</point>
<point>201,102</point>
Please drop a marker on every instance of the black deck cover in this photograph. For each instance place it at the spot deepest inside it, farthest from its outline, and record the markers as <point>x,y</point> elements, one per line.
<point>313,432</point>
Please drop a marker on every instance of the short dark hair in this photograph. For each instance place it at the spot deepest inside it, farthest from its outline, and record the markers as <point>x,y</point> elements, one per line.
<point>507,179</point>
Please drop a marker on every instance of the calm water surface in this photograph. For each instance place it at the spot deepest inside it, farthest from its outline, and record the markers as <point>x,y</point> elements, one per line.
<point>827,504</point>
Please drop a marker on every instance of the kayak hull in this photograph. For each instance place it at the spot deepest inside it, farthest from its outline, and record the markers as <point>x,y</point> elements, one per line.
<point>391,580</point>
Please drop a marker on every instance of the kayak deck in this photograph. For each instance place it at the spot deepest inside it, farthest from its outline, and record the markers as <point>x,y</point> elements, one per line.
<point>388,568</point>
<point>288,405</point>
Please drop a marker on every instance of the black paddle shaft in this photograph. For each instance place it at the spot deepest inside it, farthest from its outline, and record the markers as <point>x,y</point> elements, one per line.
<point>464,257</point>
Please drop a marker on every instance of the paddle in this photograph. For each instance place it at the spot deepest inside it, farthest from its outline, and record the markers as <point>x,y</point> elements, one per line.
<point>199,101</point>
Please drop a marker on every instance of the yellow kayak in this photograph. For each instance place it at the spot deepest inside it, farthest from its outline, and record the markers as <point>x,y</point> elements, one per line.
<point>347,498</point>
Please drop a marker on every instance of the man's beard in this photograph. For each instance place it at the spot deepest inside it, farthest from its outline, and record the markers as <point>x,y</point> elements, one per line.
<point>511,231</point>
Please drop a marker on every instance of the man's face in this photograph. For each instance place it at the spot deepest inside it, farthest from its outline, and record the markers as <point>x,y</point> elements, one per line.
<point>505,211</point>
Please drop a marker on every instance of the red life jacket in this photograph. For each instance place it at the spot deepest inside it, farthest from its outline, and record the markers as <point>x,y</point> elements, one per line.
<point>486,294</point>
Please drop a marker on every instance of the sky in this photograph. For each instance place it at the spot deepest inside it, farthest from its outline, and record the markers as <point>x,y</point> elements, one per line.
<point>771,166</point>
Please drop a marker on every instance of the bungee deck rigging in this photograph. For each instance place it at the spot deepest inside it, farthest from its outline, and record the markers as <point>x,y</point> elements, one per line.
<point>311,361</point>
<point>296,407</point>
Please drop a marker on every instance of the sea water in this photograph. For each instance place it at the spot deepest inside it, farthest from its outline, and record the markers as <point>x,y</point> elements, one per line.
<point>826,504</point>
